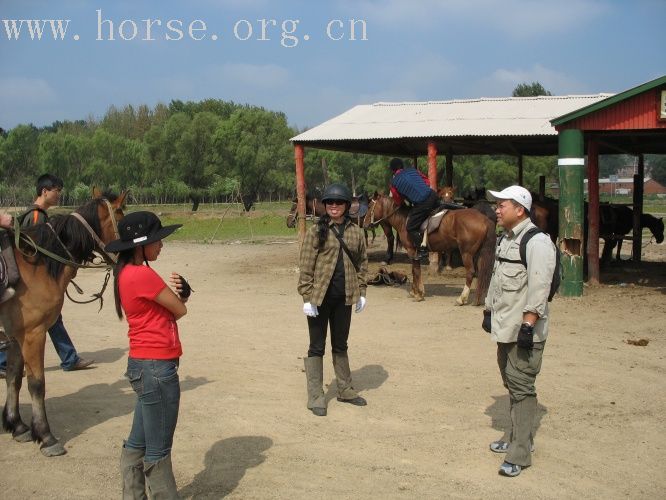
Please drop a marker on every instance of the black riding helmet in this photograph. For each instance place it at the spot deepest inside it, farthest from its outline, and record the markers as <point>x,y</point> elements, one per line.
<point>337,192</point>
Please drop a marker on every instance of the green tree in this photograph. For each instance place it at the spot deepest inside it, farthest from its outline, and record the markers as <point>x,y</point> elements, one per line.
<point>657,166</point>
<point>253,147</point>
<point>194,150</point>
<point>529,90</point>
<point>19,155</point>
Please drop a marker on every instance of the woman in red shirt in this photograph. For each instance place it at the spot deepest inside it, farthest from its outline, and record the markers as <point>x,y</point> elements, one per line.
<point>151,309</point>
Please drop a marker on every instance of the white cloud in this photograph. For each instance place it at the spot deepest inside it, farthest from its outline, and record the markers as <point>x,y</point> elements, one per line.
<point>17,92</point>
<point>516,18</point>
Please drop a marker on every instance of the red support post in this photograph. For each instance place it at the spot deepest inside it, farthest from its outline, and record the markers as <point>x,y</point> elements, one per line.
<point>299,155</point>
<point>593,212</point>
<point>432,164</point>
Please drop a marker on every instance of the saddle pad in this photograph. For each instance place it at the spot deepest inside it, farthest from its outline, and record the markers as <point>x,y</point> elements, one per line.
<point>432,223</point>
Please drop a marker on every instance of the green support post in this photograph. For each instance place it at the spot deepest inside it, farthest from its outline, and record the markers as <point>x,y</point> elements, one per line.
<point>571,164</point>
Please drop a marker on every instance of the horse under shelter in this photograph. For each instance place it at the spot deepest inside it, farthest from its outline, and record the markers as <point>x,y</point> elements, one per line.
<point>631,122</point>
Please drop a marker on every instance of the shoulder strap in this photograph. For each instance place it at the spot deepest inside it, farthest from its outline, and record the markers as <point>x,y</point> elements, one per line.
<point>523,243</point>
<point>527,236</point>
<point>32,209</point>
<point>344,246</point>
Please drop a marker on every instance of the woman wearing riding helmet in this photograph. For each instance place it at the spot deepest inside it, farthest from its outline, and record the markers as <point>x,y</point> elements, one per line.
<point>333,269</point>
<point>151,309</point>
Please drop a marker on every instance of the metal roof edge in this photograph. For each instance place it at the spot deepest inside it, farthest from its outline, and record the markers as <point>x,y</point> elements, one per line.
<point>614,99</point>
<point>486,99</point>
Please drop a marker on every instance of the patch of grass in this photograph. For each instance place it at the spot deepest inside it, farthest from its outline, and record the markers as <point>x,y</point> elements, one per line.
<point>225,222</point>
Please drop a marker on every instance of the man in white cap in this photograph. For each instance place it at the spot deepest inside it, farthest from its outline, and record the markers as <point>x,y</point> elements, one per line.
<point>516,316</point>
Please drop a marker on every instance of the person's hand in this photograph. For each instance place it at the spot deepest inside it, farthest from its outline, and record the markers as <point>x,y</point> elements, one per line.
<point>180,285</point>
<point>310,310</point>
<point>360,305</point>
<point>526,336</point>
<point>487,321</point>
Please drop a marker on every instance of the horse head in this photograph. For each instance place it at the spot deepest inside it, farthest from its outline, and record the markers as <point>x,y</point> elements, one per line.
<point>105,211</point>
<point>655,225</point>
<point>446,193</point>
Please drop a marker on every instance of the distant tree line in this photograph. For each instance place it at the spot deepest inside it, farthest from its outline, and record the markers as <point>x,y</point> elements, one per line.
<point>214,151</point>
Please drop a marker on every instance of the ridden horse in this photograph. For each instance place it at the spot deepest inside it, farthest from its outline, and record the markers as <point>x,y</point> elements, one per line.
<point>468,230</point>
<point>447,193</point>
<point>39,299</point>
<point>314,207</point>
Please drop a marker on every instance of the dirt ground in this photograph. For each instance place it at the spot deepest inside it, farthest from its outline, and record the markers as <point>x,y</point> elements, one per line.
<point>428,371</point>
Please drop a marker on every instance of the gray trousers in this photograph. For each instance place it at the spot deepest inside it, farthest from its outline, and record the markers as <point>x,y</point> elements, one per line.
<point>519,368</point>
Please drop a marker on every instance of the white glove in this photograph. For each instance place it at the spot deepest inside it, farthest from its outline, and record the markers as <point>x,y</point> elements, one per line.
<point>360,305</point>
<point>310,310</point>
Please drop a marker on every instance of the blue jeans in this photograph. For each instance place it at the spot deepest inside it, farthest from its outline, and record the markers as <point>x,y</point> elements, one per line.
<point>62,343</point>
<point>157,386</point>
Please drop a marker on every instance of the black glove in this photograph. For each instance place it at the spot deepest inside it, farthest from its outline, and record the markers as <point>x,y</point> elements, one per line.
<point>185,288</point>
<point>487,320</point>
<point>526,336</point>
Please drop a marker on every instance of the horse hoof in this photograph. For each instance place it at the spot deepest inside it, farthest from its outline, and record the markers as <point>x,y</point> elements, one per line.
<point>419,298</point>
<point>55,450</point>
<point>460,302</point>
<point>24,437</point>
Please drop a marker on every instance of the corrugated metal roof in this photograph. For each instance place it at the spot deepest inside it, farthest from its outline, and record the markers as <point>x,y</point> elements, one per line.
<point>505,116</point>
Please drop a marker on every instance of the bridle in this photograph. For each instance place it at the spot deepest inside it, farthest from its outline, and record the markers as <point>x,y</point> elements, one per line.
<point>373,222</point>
<point>110,258</point>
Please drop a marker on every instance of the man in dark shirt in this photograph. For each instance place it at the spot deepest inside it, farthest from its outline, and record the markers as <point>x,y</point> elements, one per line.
<point>412,185</point>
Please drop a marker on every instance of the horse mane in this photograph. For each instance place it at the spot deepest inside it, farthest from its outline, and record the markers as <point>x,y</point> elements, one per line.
<point>63,229</point>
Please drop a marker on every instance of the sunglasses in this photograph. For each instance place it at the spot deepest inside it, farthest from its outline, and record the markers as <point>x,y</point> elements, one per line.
<point>334,202</point>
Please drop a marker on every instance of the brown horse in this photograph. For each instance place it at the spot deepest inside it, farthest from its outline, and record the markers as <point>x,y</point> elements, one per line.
<point>466,229</point>
<point>39,299</point>
<point>315,208</point>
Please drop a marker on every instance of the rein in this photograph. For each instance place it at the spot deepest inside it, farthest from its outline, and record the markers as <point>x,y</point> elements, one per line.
<point>109,258</point>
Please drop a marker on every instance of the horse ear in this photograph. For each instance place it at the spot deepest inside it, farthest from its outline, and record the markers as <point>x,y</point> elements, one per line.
<point>120,201</point>
<point>96,193</point>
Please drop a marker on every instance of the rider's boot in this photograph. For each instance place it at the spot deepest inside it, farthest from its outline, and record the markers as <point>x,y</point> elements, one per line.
<point>417,239</point>
<point>8,267</point>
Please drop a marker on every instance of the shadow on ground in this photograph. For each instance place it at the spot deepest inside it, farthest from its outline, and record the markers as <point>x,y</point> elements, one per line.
<point>225,466</point>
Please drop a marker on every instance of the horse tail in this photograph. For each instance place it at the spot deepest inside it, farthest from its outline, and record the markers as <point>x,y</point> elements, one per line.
<point>484,263</point>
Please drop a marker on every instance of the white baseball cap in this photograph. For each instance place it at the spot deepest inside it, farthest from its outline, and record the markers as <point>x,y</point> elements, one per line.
<point>515,193</point>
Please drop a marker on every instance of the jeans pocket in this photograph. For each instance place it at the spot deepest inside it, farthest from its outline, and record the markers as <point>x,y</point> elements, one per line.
<point>135,377</point>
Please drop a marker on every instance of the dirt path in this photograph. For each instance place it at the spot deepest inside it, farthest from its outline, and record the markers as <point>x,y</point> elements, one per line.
<point>427,370</point>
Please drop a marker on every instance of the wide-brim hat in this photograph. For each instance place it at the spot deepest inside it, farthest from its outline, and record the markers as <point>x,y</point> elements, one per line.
<point>139,229</point>
<point>516,193</point>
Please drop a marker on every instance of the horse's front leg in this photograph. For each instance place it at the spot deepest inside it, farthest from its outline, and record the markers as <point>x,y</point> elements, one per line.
<point>11,418</point>
<point>33,353</point>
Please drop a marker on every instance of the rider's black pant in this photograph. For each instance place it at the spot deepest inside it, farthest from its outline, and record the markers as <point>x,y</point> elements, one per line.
<point>418,214</point>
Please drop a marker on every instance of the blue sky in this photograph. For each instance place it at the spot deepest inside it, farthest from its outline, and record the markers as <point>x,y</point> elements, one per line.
<point>415,50</point>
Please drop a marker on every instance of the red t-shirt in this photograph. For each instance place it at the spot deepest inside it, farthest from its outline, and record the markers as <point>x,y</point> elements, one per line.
<point>153,331</point>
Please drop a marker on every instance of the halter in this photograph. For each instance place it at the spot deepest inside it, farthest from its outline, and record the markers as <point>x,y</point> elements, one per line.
<point>374,222</point>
